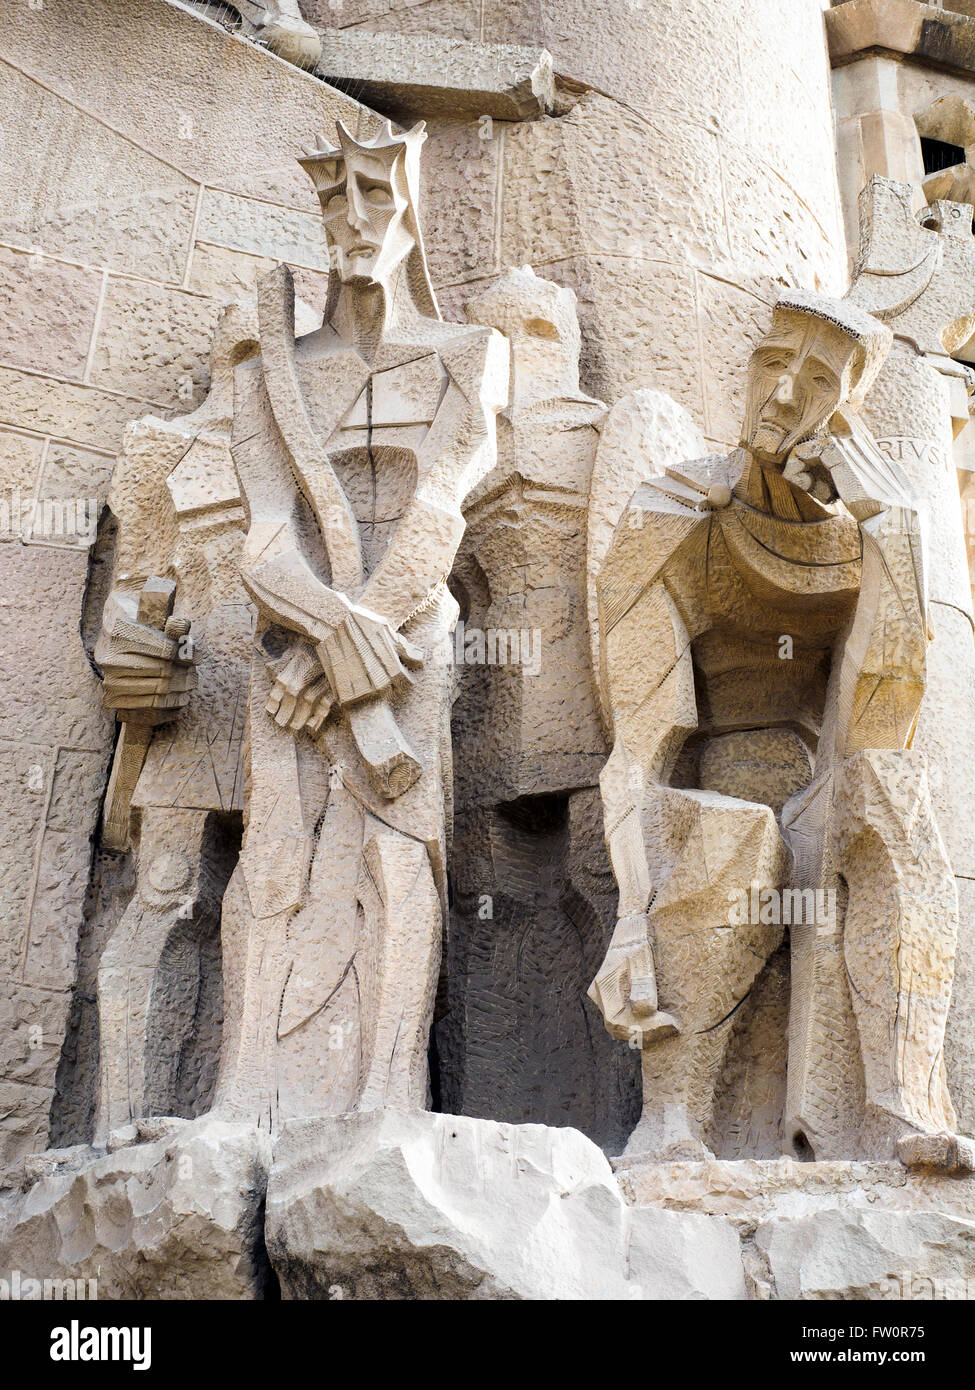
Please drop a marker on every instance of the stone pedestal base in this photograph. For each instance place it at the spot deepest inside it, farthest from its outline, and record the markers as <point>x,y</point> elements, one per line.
<point>827,1230</point>
<point>407,1205</point>
<point>389,1204</point>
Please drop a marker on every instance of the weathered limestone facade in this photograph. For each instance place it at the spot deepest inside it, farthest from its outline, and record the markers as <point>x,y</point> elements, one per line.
<point>485,495</point>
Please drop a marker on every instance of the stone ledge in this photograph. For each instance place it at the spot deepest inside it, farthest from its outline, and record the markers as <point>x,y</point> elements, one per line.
<point>407,76</point>
<point>746,1190</point>
<point>412,1205</point>
<point>903,28</point>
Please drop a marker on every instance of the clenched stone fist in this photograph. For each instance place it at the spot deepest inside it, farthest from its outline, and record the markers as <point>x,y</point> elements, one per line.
<point>146,656</point>
<point>364,656</point>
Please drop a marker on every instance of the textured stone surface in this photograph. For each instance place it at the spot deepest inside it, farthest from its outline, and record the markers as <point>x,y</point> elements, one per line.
<point>532,891</point>
<point>400,1205</point>
<point>47,313</point>
<point>427,75</point>
<point>868,1255</point>
<point>174,1216</point>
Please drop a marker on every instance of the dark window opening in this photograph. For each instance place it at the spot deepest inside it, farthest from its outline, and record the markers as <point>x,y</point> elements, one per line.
<point>938,154</point>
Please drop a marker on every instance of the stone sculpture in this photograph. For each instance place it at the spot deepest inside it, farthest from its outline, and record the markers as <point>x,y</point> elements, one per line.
<point>917,274</point>
<point>355,447</point>
<point>533,898</point>
<point>177,775</point>
<point>762,640</point>
<point>220,948</point>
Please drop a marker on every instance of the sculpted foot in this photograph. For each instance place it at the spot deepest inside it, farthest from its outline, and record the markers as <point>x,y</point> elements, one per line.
<point>937,1153</point>
<point>666,1137</point>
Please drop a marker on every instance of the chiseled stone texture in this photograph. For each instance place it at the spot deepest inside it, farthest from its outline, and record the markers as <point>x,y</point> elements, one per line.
<point>960,1033</point>
<point>53,772</point>
<point>422,75</point>
<point>868,1255</point>
<point>180,1217</point>
<point>149,175</point>
<point>827,1230</point>
<point>408,1205</point>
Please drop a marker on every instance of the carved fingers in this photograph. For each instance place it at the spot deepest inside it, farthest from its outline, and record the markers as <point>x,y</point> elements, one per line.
<point>808,470</point>
<point>148,672</point>
<point>301,697</point>
<point>363,657</point>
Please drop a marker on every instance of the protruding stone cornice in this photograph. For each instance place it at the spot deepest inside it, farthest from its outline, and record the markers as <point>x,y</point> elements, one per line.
<point>903,28</point>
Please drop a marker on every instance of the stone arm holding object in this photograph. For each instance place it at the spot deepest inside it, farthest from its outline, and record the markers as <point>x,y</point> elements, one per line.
<point>146,659</point>
<point>356,655</point>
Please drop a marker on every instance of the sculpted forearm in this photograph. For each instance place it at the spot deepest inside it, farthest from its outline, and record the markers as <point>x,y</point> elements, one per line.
<point>420,554</point>
<point>285,587</point>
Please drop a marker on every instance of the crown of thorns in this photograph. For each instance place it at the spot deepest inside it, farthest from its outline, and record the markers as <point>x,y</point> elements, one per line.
<point>398,152</point>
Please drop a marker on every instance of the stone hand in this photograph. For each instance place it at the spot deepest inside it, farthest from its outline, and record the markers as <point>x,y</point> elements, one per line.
<point>148,674</point>
<point>363,656</point>
<point>809,469</point>
<point>301,696</point>
<point>625,987</point>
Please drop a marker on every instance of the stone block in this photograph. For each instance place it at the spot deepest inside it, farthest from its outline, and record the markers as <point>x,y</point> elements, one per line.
<point>414,75</point>
<point>47,313</point>
<point>858,1254</point>
<point>178,1217</point>
<point>394,1205</point>
<point>154,343</point>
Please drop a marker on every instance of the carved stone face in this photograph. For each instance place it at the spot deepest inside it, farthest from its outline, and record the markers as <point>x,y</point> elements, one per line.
<point>798,376</point>
<point>365,220</point>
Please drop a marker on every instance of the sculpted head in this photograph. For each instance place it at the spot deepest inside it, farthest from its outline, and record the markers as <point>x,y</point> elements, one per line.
<point>368,191</point>
<point>540,321</point>
<point>819,355</point>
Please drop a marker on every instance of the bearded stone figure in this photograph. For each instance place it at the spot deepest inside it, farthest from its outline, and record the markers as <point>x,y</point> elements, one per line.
<point>355,447</point>
<point>762,639</point>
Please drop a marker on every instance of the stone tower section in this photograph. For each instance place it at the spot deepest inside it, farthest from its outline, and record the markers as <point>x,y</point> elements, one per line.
<point>690,176</point>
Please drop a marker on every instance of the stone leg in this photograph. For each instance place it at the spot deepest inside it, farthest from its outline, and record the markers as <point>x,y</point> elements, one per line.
<point>711,857</point>
<point>825,1094</point>
<point>361,959</point>
<point>328,1008</point>
<point>899,945</point>
<point>403,929</point>
<point>254,972</point>
<point>145,1012</point>
<point>259,906</point>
